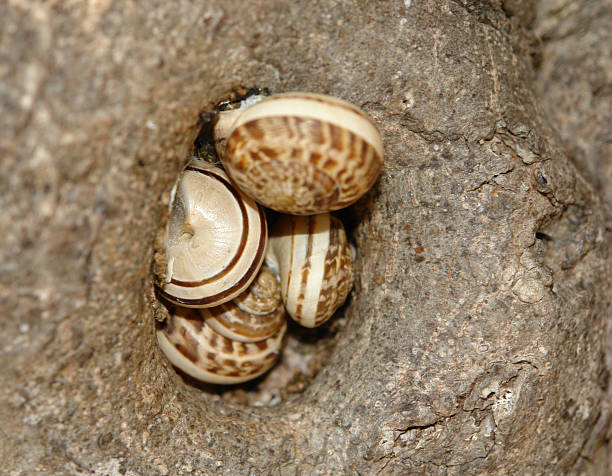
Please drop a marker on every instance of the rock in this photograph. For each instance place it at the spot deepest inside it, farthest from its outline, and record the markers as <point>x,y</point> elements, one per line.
<point>474,338</point>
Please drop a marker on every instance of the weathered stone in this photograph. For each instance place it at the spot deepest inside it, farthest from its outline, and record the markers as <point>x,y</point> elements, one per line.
<point>474,338</point>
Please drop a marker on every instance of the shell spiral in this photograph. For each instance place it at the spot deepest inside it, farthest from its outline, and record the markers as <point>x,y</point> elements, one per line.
<point>215,239</point>
<point>315,264</point>
<point>253,315</point>
<point>226,344</point>
<point>301,153</point>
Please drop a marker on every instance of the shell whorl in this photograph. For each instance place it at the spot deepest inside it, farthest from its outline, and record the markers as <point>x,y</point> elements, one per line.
<point>226,344</point>
<point>302,153</point>
<point>254,315</point>
<point>215,239</point>
<point>315,263</point>
<point>194,347</point>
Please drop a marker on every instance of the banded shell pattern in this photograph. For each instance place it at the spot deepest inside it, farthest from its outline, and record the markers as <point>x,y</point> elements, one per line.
<point>315,264</point>
<point>254,315</point>
<point>300,153</point>
<point>235,348</point>
<point>215,239</point>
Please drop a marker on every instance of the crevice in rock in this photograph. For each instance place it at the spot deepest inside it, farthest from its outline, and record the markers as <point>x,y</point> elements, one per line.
<point>567,238</point>
<point>306,351</point>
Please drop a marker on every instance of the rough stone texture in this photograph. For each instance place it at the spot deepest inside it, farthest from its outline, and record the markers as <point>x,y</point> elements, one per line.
<point>575,85</point>
<point>474,340</point>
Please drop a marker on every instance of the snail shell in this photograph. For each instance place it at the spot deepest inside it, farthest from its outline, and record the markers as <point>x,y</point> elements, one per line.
<point>315,263</point>
<point>225,344</point>
<point>254,315</point>
<point>215,239</point>
<point>195,348</point>
<point>300,153</point>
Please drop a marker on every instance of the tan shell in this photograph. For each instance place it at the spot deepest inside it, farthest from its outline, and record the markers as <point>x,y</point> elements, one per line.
<point>195,348</point>
<point>254,315</point>
<point>315,263</point>
<point>215,239</point>
<point>300,153</point>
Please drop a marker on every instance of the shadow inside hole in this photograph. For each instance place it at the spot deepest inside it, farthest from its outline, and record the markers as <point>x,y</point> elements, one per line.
<point>566,239</point>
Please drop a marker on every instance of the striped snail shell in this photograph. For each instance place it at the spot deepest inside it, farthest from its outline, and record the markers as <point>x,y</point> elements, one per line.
<point>315,264</point>
<point>215,238</point>
<point>236,347</point>
<point>300,153</point>
<point>254,315</point>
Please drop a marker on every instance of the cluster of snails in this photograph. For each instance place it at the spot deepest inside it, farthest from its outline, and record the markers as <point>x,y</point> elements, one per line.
<point>300,154</point>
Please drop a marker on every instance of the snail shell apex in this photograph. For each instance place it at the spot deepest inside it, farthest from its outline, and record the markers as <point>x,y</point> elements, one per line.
<point>254,315</point>
<point>215,239</point>
<point>315,263</point>
<point>301,153</point>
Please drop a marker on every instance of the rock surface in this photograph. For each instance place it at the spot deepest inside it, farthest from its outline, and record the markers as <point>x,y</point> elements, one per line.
<point>575,86</point>
<point>474,339</point>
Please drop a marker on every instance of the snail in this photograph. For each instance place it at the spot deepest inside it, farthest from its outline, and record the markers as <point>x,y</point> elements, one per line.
<point>315,264</point>
<point>253,315</point>
<point>300,153</point>
<point>232,343</point>
<point>215,238</point>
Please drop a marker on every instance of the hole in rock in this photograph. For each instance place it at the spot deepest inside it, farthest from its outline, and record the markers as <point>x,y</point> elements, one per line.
<point>566,239</point>
<point>305,351</point>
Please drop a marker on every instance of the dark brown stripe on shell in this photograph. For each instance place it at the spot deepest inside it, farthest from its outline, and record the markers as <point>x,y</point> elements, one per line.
<point>311,128</point>
<point>271,355</point>
<point>228,345</point>
<point>223,294</point>
<point>213,339</point>
<point>189,346</point>
<point>186,353</point>
<point>329,164</point>
<point>290,267</point>
<point>364,148</point>
<point>336,136</point>
<point>241,349</point>
<point>254,130</point>
<point>229,363</point>
<point>289,127</point>
<point>269,152</point>
<point>197,323</point>
<point>261,344</point>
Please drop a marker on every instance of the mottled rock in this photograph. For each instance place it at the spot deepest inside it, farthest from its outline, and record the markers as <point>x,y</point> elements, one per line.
<point>474,338</point>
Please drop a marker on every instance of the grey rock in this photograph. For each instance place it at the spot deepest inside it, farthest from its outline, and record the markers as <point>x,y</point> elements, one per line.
<point>474,339</point>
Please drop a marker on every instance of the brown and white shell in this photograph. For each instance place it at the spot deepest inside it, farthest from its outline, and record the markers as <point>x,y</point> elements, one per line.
<point>315,264</point>
<point>254,315</point>
<point>195,348</point>
<point>300,153</point>
<point>226,344</point>
<point>215,238</point>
